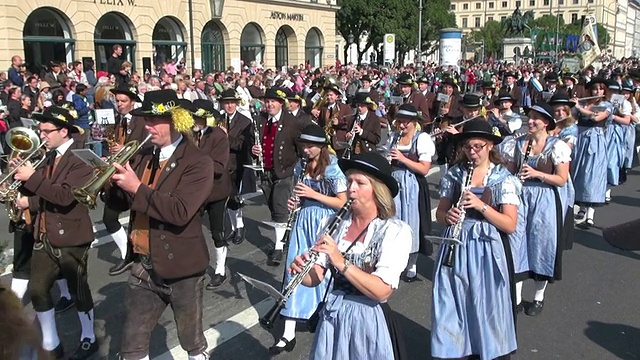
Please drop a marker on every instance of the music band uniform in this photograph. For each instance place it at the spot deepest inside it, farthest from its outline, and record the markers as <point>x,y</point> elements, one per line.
<point>341,113</point>
<point>63,233</point>
<point>369,136</point>
<point>166,232</point>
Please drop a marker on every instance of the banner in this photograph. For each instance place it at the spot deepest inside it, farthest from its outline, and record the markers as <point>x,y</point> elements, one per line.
<point>588,47</point>
<point>389,48</point>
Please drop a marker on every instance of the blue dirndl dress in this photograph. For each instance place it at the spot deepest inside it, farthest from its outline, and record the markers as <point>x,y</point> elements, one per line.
<point>408,199</point>
<point>589,154</point>
<point>616,150</point>
<point>353,326</point>
<point>630,143</point>
<point>473,301</point>
<point>304,300</point>
<point>537,242</point>
<point>567,192</point>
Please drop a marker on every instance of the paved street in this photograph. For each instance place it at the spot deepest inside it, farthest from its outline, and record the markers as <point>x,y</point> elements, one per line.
<point>591,314</point>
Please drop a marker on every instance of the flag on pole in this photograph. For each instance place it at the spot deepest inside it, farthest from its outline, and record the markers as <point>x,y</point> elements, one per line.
<point>588,47</point>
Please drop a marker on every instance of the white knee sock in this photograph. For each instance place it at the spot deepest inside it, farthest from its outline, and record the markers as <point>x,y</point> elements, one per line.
<point>411,265</point>
<point>590,212</point>
<point>239,220</point>
<point>289,332</point>
<point>120,238</point>
<point>518,292</point>
<point>607,194</point>
<point>199,357</point>
<point>221,259</point>
<point>232,219</point>
<point>64,289</point>
<point>540,287</point>
<point>280,229</point>
<point>19,287</point>
<point>47,322</point>
<point>86,322</point>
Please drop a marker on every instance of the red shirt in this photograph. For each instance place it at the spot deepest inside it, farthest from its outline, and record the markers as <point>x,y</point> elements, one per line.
<point>268,140</point>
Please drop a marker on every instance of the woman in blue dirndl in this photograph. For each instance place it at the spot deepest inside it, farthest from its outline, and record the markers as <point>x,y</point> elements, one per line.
<point>615,134</point>
<point>631,154</point>
<point>590,153</point>
<point>321,191</point>
<point>542,163</point>
<point>473,307</point>
<point>567,131</point>
<point>366,254</point>
<point>411,160</point>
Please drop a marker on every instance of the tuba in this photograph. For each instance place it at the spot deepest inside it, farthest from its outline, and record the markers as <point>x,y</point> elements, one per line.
<point>87,194</point>
<point>22,141</point>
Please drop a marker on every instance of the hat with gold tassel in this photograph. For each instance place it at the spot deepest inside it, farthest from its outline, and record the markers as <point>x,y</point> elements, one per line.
<point>164,103</point>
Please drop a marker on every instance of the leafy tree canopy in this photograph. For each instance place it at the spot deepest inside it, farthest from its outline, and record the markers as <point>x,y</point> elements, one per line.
<point>492,35</point>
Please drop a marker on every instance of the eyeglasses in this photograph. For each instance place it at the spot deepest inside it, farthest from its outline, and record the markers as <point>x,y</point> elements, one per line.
<point>475,147</point>
<point>48,131</point>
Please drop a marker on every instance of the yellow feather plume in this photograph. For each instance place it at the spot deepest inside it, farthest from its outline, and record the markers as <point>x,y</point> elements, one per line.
<point>182,120</point>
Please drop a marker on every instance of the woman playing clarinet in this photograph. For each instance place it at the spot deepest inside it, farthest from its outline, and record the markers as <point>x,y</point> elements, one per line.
<point>321,192</point>
<point>542,163</point>
<point>473,309</point>
<point>411,160</point>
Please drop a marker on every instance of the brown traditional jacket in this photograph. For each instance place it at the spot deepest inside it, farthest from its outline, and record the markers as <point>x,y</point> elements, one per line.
<point>370,136</point>
<point>66,222</point>
<point>215,144</point>
<point>285,146</point>
<point>240,141</point>
<point>343,112</point>
<point>176,242</point>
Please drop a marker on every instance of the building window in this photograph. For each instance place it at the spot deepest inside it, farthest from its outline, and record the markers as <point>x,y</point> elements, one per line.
<point>504,4</point>
<point>465,22</point>
<point>532,3</point>
<point>465,6</point>
<point>489,18</point>
<point>282,48</point>
<point>478,5</point>
<point>560,2</point>
<point>476,22</point>
<point>503,18</point>
<point>48,36</point>
<point>518,3</point>
<point>212,48</point>
<point>546,2</point>
<point>590,1</point>
<point>574,18</point>
<point>576,2</point>
<point>314,47</point>
<point>453,7</point>
<point>561,16</point>
<point>491,5</point>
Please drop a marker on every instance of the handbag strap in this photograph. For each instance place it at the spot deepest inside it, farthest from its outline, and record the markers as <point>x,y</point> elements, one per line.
<point>326,292</point>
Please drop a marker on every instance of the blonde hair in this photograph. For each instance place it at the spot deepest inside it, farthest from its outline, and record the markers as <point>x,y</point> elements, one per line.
<point>382,196</point>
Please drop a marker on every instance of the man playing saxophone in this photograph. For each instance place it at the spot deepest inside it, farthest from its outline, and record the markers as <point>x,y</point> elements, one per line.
<point>127,128</point>
<point>365,127</point>
<point>63,230</point>
<point>164,187</point>
<point>334,118</point>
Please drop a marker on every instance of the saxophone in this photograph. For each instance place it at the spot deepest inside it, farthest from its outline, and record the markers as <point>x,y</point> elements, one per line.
<point>270,317</point>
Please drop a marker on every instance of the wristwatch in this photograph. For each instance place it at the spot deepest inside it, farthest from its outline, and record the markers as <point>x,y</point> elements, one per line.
<point>347,263</point>
<point>484,208</point>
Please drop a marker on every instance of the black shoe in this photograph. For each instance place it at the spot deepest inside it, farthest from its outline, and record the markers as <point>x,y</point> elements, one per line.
<point>239,236</point>
<point>275,258</point>
<point>408,279</point>
<point>535,308</point>
<point>123,265</point>
<point>63,305</point>
<point>216,281</point>
<point>85,350</point>
<point>519,308</point>
<point>288,347</point>
<point>57,353</point>
<point>231,236</point>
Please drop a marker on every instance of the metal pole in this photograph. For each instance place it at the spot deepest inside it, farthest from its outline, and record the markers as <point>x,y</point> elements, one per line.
<point>191,45</point>
<point>557,30</point>
<point>482,51</point>
<point>419,54</point>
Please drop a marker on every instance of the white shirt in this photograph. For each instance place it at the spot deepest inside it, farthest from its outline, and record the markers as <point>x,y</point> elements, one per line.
<point>276,117</point>
<point>63,148</point>
<point>295,112</point>
<point>167,151</point>
<point>425,147</point>
<point>514,122</point>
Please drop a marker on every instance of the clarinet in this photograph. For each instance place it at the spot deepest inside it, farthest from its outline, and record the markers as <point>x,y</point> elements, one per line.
<point>349,149</point>
<point>393,145</point>
<point>457,227</point>
<point>527,153</point>
<point>293,214</point>
<point>269,318</point>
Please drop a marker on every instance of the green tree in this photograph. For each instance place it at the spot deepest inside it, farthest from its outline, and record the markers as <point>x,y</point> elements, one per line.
<point>357,18</point>
<point>547,23</point>
<point>492,36</point>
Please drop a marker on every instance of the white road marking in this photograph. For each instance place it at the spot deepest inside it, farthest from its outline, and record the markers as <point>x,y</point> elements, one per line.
<point>225,330</point>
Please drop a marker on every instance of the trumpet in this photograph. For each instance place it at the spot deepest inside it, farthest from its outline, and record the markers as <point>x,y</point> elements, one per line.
<point>87,194</point>
<point>269,318</point>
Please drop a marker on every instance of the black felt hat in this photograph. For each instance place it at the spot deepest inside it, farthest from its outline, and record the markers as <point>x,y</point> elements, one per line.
<point>408,111</point>
<point>129,90</point>
<point>364,98</point>
<point>471,101</point>
<point>488,85</point>
<point>546,111</point>
<point>58,116</point>
<point>276,93</point>
<point>596,80</point>
<point>478,128</point>
<point>405,79</point>
<point>157,103</point>
<point>373,164</point>
<point>313,134</point>
<point>203,108</point>
<point>230,95</point>
<point>551,77</point>
<point>504,96</point>
<point>561,98</point>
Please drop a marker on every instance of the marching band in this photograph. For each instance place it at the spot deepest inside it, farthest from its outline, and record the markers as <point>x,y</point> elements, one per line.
<point>348,199</point>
